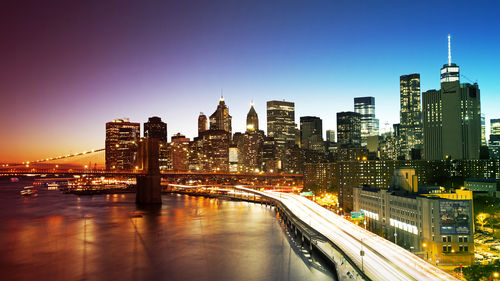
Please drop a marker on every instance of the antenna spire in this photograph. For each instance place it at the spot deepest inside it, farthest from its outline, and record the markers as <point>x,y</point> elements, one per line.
<point>449,49</point>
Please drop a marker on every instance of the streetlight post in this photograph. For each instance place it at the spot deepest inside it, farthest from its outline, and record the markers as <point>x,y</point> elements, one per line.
<point>424,245</point>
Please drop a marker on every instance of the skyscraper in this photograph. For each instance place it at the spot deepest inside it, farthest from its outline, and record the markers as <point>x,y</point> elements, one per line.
<point>180,152</point>
<point>252,120</point>
<point>452,117</point>
<point>210,151</point>
<point>202,123</point>
<point>122,138</point>
<point>483,130</point>
<point>330,136</point>
<point>495,138</point>
<point>155,128</point>
<point>410,114</point>
<point>220,119</point>
<point>251,143</point>
<point>365,106</point>
<point>349,129</point>
<point>282,128</point>
<point>311,133</point>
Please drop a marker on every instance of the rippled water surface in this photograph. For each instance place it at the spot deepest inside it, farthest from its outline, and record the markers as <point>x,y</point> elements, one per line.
<point>54,236</point>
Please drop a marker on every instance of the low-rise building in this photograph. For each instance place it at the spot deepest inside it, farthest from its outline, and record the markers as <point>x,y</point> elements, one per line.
<point>437,226</point>
<point>490,187</point>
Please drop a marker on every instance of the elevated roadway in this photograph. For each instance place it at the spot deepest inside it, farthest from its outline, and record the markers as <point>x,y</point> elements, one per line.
<point>382,259</point>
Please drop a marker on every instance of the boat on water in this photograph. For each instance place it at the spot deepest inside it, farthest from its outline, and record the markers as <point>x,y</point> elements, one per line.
<point>28,191</point>
<point>52,186</point>
<point>14,179</point>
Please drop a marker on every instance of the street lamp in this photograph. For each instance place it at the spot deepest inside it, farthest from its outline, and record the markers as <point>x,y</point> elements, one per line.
<point>424,245</point>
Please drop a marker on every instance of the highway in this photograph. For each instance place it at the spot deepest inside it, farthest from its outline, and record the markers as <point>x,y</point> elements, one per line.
<point>383,260</point>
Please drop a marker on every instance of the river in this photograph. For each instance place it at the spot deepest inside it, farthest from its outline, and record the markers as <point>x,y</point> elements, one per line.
<point>55,236</point>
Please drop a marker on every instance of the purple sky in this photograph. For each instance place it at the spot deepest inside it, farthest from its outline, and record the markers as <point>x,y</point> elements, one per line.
<point>68,67</point>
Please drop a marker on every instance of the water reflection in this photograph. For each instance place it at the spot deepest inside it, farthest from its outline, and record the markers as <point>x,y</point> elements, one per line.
<point>66,237</point>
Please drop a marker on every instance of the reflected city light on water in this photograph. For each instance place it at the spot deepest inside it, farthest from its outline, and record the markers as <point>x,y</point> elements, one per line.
<point>59,236</point>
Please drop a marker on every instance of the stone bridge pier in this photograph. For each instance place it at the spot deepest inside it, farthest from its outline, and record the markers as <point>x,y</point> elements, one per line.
<point>148,183</point>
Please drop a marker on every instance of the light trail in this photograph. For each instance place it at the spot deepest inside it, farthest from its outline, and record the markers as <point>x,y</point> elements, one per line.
<point>383,259</point>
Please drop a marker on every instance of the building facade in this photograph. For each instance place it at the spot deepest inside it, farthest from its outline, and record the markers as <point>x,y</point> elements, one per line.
<point>220,119</point>
<point>437,226</point>
<point>365,106</point>
<point>251,143</point>
<point>345,175</point>
<point>202,123</point>
<point>311,133</point>
<point>155,128</point>
<point>349,129</point>
<point>494,143</point>
<point>452,118</point>
<point>410,115</point>
<point>180,152</point>
<point>122,137</point>
<point>282,128</point>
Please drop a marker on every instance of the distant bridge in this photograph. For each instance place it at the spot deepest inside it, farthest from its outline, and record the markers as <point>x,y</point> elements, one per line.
<point>164,174</point>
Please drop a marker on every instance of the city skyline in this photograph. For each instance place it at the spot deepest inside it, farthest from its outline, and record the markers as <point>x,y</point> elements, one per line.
<point>310,58</point>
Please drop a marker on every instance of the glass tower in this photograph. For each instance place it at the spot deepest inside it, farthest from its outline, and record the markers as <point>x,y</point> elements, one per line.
<point>365,106</point>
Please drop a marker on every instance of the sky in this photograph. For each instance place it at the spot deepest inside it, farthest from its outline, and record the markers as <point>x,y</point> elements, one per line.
<point>68,67</point>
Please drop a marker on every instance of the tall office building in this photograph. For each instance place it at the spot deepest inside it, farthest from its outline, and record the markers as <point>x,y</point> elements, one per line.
<point>452,118</point>
<point>122,137</point>
<point>210,151</point>
<point>330,136</point>
<point>495,138</point>
<point>180,152</point>
<point>155,128</point>
<point>483,130</point>
<point>202,123</point>
<point>282,128</point>
<point>365,106</point>
<point>220,119</point>
<point>268,158</point>
<point>410,115</point>
<point>250,143</point>
<point>349,129</point>
<point>311,133</point>
<point>252,120</point>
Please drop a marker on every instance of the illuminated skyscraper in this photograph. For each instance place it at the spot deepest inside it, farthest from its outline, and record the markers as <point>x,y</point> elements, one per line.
<point>252,120</point>
<point>483,130</point>
<point>330,136</point>
<point>220,119</point>
<point>210,151</point>
<point>349,129</point>
<point>410,115</point>
<point>180,152</point>
<point>155,128</point>
<point>365,106</point>
<point>311,133</point>
<point>122,137</point>
<point>282,128</point>
<point>452,118</point>
<point>495,138</point>
<point>250,143</point>
<point>202,123</point>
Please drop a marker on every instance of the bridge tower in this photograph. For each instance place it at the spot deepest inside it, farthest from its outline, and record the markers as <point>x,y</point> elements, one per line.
<point>148,184</point>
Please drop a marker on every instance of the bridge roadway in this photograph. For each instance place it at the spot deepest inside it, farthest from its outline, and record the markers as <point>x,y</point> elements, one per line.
<point>383,260</point>
<point>20,172</point>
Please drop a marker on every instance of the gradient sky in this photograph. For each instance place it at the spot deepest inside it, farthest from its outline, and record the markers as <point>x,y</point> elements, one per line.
<point>68,67</point>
